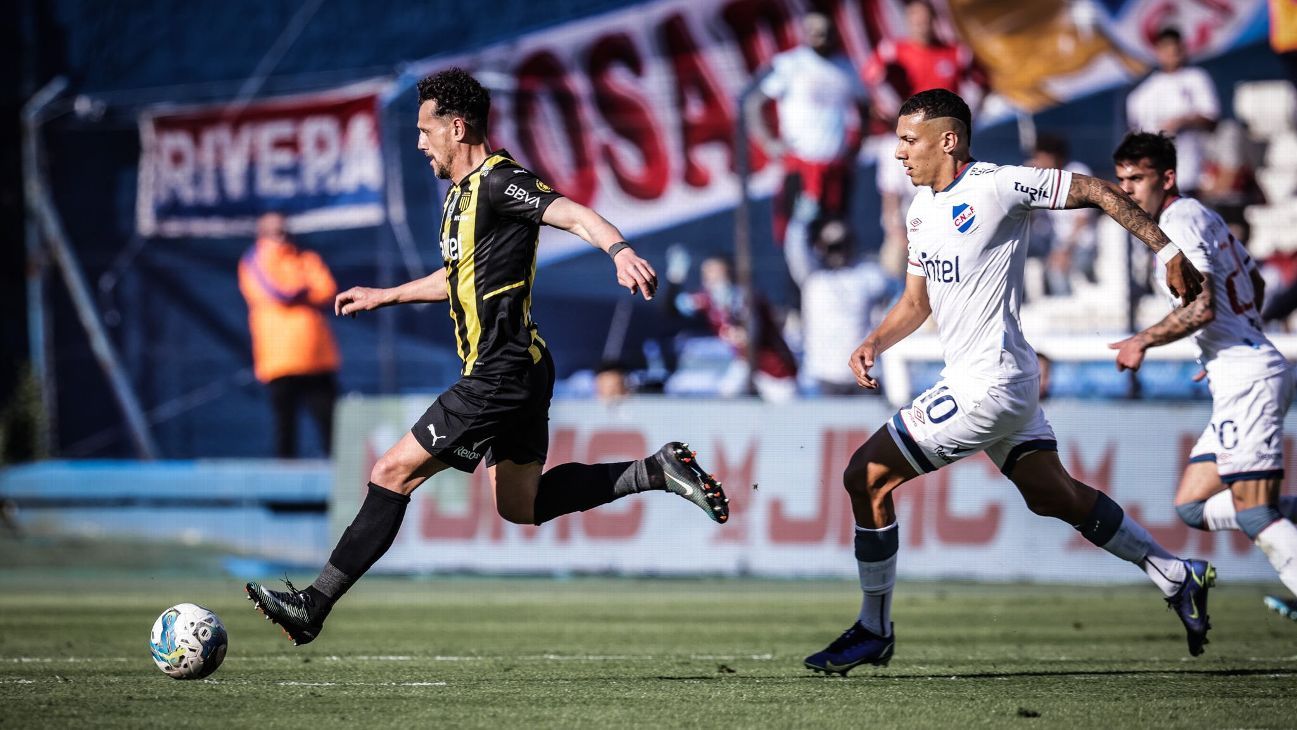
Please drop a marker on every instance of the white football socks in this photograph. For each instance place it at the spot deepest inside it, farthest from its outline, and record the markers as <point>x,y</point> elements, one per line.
<point>1279,543</point>
<point>1133,543</point>
<point>1218,511</point>
<point>877,580</point>
<point>876,583</point>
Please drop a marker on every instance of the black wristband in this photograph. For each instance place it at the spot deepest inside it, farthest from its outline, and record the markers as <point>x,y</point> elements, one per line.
<point>617,248</point>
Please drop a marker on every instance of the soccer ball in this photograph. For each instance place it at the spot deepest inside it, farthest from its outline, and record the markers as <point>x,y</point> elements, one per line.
<point>188,641</point>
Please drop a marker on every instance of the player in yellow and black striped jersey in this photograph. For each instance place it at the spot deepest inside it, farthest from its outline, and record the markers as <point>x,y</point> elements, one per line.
<point>494,216</point>
<point>499,408</point>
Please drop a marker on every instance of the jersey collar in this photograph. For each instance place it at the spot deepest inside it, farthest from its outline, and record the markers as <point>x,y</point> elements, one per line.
<point>491,160</point>
<point>959,176</point>
<point>1166,203</point>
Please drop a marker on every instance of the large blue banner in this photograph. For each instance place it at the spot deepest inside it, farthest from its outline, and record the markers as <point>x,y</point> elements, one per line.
<point>211,170</point>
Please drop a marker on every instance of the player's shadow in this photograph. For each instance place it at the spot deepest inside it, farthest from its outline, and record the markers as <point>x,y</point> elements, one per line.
<point>815,677</point>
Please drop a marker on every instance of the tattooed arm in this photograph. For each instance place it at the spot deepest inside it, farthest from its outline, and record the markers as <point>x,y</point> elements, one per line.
<point>1182,321</point>
<point>1090,192</point>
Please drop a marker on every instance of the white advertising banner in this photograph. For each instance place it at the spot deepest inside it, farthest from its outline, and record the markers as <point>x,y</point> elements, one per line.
<point>782,468</point>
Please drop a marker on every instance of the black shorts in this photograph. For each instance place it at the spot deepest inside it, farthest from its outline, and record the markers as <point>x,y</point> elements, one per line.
<point>496,417</point>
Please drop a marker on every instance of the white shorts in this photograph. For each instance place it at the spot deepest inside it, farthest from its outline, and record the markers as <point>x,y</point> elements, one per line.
<point>1245,436</point>
<point>954,419</point>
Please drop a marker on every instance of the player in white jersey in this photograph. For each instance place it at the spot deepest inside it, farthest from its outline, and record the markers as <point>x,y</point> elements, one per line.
<point>1235,470</point>
<point>967,228</point>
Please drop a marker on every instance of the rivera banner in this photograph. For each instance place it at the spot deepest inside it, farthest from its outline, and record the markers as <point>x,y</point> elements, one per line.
<point>211,170</point>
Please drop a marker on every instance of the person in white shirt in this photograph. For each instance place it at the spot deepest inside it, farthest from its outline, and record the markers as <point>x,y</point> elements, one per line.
<point>967,253</point>
<point>1179,100</point>
<point>1064,239</point>
<point>822,107</point>
<point>1235,471</point>
<point>840,295</point>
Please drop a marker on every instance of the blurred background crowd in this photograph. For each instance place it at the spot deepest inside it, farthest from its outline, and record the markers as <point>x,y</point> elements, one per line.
<point>167,158</point>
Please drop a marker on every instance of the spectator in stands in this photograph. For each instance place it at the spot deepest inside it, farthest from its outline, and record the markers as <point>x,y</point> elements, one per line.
<point>822,108</point>
<point>1228,182</point>
<point>1180,100</point>
<point>901,67</point>
<point>1064,239</point>
<point>898,68</point>
<point>611,383</point>
<point>841,298</point>
<point>288,289</point>
<point>725,307</point>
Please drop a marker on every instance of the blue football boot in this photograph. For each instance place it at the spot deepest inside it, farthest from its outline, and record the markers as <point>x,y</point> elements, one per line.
<point>857,645</point>
<point>1285,607</point>
<point>1190,602</point>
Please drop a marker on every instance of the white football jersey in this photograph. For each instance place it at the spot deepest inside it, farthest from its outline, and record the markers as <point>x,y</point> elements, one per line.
<point>970,242</point>
<point>816,101</point>
<point>1233,344</point>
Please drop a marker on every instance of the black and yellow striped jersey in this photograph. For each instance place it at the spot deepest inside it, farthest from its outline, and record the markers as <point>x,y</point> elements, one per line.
<point>490,228</point>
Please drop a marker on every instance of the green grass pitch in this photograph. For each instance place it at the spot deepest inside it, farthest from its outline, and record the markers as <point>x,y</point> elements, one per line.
<point>462,652</point>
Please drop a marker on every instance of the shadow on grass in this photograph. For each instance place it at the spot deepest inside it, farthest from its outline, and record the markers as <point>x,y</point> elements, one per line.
<point>816,677</point>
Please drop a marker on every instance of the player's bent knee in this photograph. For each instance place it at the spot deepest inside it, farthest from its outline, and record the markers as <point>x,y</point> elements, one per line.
<point>389,473</point>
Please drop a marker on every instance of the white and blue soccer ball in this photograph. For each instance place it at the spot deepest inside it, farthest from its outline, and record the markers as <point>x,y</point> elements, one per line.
<point>188,641</point>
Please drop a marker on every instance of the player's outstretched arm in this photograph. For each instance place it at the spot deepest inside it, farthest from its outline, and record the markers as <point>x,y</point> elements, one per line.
<point>910,311</point>
<point>431,288</point>
<point>1182,278</point>
<point>1181,322</point>
<point>633,272</point>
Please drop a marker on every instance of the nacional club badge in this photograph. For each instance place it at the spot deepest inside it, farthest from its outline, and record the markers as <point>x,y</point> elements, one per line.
<point>964,216</point>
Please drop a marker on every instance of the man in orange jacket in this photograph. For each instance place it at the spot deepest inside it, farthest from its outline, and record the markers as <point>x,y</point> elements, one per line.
<point>293,351</point>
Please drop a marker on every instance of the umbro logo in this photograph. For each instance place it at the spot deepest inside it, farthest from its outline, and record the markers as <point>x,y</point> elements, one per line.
<point>915,223</point>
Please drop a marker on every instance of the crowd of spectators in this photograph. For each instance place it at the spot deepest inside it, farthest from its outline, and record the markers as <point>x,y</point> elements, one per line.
<point>833,118</point>
<point>823,119</point>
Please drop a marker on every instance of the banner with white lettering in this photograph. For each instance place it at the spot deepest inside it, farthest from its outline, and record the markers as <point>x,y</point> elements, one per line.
<point>634,112</point>
<point>211,170</point>
<point>782,468</point>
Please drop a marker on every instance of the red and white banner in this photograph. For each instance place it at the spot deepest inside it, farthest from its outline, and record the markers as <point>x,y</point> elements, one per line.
<point>211,170</point>
<point>782,468</point>
<point>634,111</point>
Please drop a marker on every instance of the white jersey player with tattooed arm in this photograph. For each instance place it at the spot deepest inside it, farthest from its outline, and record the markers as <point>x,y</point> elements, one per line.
<point>967,230</point>
<point>1235,471</point>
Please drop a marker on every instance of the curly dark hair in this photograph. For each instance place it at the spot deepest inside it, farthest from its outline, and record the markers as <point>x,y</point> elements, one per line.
<point>457,93</point>
<point>1156,146</point>
<point>937,103</point>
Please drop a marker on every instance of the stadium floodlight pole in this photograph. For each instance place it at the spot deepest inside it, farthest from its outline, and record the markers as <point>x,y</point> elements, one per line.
<point>743,234</point>
<point>41,207</point>
<point>37,264</point>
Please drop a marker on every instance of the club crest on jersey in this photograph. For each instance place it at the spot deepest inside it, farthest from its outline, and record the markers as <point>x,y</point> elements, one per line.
<point>964,216</point>
<point>465,200</point>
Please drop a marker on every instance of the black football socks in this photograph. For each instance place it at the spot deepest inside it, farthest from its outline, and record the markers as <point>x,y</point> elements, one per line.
<point>364,541</point>
<point>578,487</point>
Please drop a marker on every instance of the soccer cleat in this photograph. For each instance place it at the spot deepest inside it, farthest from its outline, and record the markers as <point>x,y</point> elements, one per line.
<point>290,610</point>
<point>1285,607</point>
<point>1190,602</point>
<point>684,477</point>
<point>857,645</point>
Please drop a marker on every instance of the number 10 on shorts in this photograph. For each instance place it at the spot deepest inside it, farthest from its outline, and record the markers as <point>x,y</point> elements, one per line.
<point>938,404</point>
